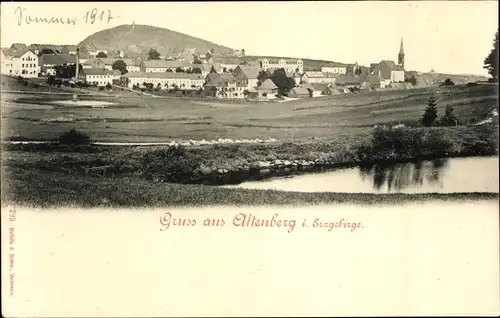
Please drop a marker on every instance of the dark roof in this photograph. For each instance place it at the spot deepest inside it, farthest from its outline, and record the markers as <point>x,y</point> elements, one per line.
<point>250,71</point>
<point>52,59</point>
<point>204,67</point>
<point>319,87</point>
<point>68,57</point>
<point>165,64</point>
<point>222,80</point>
<point>391,65</point>
<point>348,79</point>
<point>299,91</point>
<point>96,71</point>
<point>86,56</point>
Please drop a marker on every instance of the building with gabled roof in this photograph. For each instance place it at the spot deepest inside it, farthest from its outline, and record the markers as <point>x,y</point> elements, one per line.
<point>318,89</point>
<point>267,89</point>
<point>390,71</point>
<point>22,62</point>
<point>203,69</point>
<point>224,85</point>
<point>248,74</point>
<point>98,76</point>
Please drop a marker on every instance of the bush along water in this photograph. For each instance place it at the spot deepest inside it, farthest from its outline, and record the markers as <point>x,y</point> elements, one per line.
<point>172,164</point>
<point>405,143</point>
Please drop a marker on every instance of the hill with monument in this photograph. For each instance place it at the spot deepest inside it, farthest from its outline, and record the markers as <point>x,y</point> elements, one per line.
<point>134,39</point>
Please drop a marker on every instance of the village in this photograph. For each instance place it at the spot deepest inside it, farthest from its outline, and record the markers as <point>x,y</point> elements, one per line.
<point>189,73</point>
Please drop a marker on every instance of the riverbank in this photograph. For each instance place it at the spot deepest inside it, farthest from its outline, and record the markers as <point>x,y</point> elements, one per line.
<point>37,188</point>
<point>90,175</point>
<point>214,164</point>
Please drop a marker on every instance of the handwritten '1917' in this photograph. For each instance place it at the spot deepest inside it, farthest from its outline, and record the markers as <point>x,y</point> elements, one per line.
<point>90,17</point>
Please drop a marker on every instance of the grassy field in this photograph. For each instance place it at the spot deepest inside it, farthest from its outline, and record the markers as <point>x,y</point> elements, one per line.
<point>135,118</point>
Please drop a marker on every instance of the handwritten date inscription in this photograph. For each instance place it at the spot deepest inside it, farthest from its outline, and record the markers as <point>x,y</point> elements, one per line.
<point>91,17</point>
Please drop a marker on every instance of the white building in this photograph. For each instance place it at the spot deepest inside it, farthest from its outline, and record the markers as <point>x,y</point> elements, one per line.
<point>98,76</point>
<point>290,65</point>
<point>19,63</point>
<point>166,80</point>
<point>132,65</point>
<point>334,68</point>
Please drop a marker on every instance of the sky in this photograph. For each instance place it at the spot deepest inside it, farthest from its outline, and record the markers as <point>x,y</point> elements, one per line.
<point>447,36</point>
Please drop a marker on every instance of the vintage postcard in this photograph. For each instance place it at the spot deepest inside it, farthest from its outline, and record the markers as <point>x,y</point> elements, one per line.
<point>306,158</point>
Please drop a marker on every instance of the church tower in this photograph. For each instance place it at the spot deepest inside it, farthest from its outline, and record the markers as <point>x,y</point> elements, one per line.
<point>401,55</point>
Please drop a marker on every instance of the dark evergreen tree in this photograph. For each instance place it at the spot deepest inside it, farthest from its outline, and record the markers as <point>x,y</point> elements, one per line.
<point>430,113</point>
<point>491,61</point>
<point>449,119</point>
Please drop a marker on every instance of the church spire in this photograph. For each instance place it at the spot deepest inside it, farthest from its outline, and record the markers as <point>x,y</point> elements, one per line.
<point>401,55</point>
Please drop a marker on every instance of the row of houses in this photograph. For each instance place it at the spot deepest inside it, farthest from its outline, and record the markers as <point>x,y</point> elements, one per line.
<point>228,76</point>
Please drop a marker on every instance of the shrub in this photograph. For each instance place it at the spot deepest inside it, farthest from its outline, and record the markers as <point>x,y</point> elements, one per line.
<point>449,119</point>
<point>403,143</point>
<point>172,164</point>
<point>74,137</point>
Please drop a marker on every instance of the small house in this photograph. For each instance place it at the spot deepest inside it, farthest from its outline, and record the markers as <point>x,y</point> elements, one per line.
<point>267,89</point>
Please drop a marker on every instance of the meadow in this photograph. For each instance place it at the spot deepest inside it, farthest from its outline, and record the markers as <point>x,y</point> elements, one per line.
<point>149,119</point>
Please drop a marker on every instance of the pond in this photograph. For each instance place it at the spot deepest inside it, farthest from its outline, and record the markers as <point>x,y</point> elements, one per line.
<point>446,175</point>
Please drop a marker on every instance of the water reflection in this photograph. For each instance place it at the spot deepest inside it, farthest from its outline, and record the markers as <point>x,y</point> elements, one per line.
<point>399,176</point>
<point>475,174</point>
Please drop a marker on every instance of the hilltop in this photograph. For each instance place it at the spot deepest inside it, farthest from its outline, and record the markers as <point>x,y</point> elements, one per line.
<point>134,39</point>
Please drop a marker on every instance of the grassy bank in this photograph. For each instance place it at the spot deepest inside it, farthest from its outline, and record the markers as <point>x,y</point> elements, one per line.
<point>198,164</point>
<point>37,188</point>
